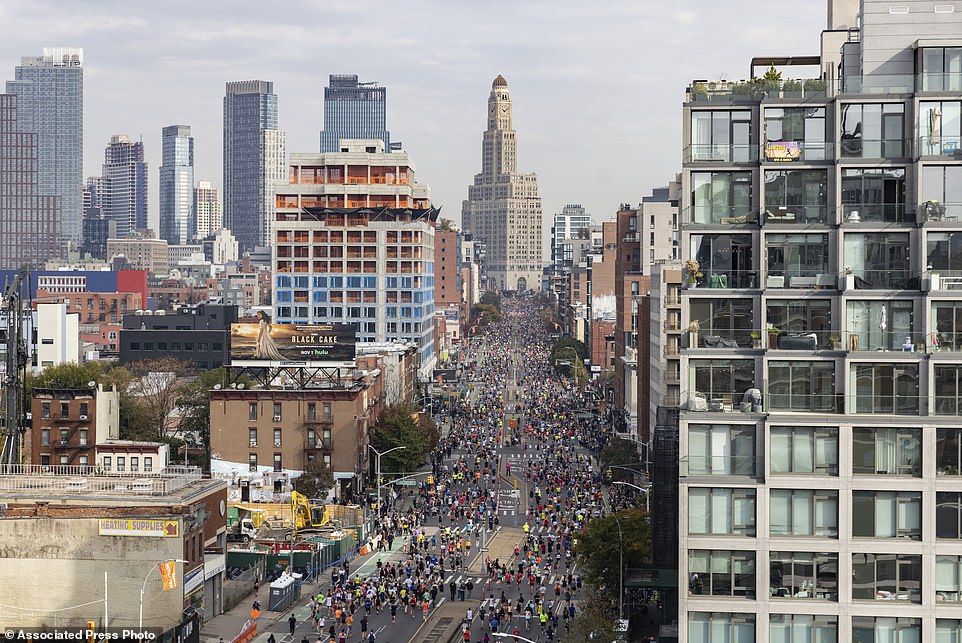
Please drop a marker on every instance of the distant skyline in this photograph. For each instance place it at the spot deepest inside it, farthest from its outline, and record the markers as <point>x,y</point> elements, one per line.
<point>597,87</point>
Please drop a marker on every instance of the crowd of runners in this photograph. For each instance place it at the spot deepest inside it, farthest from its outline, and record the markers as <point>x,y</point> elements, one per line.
<point>514,402</point>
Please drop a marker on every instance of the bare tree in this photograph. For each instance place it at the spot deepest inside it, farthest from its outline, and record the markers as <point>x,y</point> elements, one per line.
<point>156,388</point>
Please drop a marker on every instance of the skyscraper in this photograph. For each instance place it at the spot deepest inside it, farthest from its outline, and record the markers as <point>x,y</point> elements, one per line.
<point>28,218</point>
<point>124,199</point>
<point>49,91</point>
<point>503,207</point>
<point>208,210</point>
<point>178,221</point>
<point>254,157</point>
<point>353,110</point>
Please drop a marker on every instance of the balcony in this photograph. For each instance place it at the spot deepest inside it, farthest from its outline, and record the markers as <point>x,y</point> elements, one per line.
<point>807,279</point>
<point>324,443</point>
<point>710,215</point>
<point>789,400</point>
<point>867,148</point>
<point>859,279</point>
<point>941,212</point>
<point>786,153</point>
<point>748,466</point>
<point>755,90</point>
<point>855,213</point>
<point>726,279</point>
<point>696,153</point>
<point>795,214</point>
<point>944,148</point>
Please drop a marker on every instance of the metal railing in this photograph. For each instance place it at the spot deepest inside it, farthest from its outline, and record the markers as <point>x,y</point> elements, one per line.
<point>940,147</point>
<point>721,465</point>
<point>84,479</point>
<point>726,279</point>
<point>795,214</point>
<point>726,153</point>
<point>876,213</point>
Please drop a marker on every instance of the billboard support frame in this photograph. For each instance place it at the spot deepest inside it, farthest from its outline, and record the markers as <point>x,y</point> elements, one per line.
<point>328,377</point>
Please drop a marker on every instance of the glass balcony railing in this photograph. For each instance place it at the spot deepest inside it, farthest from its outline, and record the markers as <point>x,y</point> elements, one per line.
<point>940,147</point>
<point>928,82</point>
<point>884,280</point>
<point>944,279</point>
<point>757,89</point>
<point>877,84</point>
<point>726,279</point>
<point>727,153</point>
<point>721,465</point>
<point>876,213</point>
<point>796,214</point>
<point>818,278</point>
<point>787,152</point>
<point>865,148</point>
<point>948,212</point>
<point>719,215</point>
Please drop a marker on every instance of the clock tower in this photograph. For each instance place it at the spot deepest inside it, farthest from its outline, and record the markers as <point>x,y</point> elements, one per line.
<point>499,149</point>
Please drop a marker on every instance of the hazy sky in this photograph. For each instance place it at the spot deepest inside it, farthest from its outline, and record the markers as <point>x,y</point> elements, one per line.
<point>597,85</point>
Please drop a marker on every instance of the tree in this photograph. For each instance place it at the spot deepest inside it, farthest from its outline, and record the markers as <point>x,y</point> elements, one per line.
<point>491,298</point>
<point>601,552</point>
<point>316,480</point>
<point>193,406</point>
<point>156,387</point>
<point>404,425</point>
<point>486,313</point>
<point>594,619</point>
<point>620,452</point>
<point>446,225</point>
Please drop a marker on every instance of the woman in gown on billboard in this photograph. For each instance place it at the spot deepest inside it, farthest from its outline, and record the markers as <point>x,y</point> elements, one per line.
<point>266,348</point>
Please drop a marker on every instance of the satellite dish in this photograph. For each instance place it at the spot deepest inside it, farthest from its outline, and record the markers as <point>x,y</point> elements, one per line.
<point>240,386</point>
<point>91,383</point>
<point>217,387</point>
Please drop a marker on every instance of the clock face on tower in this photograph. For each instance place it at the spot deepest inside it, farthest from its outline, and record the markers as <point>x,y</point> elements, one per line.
<point>504,109</point>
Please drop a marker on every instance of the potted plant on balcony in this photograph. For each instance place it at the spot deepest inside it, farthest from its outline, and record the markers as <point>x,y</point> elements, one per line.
<point>814,87</point>
<point>836,342</point>
<point>792,89</point>
<point>773,332</point>
<point>693,333</point>
<point>693,272</point>
<point>756,339</point>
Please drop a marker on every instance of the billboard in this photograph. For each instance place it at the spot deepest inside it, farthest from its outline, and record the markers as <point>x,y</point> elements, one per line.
<point>263,341</point>
<point>783,151</point>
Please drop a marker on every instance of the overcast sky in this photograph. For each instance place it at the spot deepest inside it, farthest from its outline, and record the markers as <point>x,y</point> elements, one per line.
<point>597,85</point>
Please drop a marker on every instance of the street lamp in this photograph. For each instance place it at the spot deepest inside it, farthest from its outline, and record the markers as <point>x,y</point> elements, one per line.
<point>641,489</point>
<point>379,454</point>
<point>143,587</point>
<point>573,363</point>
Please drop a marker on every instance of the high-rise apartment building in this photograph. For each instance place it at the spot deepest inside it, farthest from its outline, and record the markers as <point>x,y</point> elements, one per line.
<point>820,493</point>
<point>255,155</point>
<point>178,220</point>
<point>124,198</point>
<point>93,190</point>
<point>354,243</point>
<point>503,208</point>
<point>29,218</point>
<point>49,91</point>
<point>208,210</point>
<point>568,225</point>
<point>353,110</point>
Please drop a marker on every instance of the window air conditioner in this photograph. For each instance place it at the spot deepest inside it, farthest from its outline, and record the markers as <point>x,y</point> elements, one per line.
<point>277,418</point>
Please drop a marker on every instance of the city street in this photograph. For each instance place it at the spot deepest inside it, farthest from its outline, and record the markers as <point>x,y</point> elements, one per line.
<point>489,543</point>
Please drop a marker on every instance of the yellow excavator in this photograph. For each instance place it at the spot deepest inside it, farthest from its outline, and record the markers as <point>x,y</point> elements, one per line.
<point>307,516</point>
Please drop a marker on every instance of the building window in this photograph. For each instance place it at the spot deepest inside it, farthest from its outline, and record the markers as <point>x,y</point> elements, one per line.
<point>721,511</point>
<point>327,412</point>
<point>803,575</point>
<point>948,452</point>
<point>45,437</point>
<point>947,515</point>
<point>887,388</point>
<point>83,437</point>
<point>721,198</point>
<point>880,261</point>
<point>327,459</point>
<point>311,440</point>
<point>721,450</point>
<point>803,512</point>
<point>45,410</point>
<point>277,437</point>
<point>65,409</point>
<point>64,459</point>
<point>721,573</point>
<point>107,462</point>
<point>947,630</point>
<point>64,437</point>
<point>798,259</point>
<point>277,411</point>
<point>886,577</point>
<point>803,449</point>
<point>867,331</point>
<point>121,463</point>
<point>728,319</point>
<point>804,127</point>
<point>887,514</point>
<point>252,462</point>
<point>872,130</point>
<point>796,196</point>
<point>887,452</point>
<point>278,466</point>
<point>941,189</point>
<point>720,627</point>
<point>724,380</point>
<point>873,194</point>
<point>722,136</point>
<point>311,412</point>
<point>802,628</point>
<point>252,436</point>
<point>947,577</point>
<point>148,464</point>
<point>941,69</point>
<point>84,409</point>
<point>725,260</point>
<point>252,411</point>
<point>802,317</point>
<point>134,463</point>
<point>802,386</point>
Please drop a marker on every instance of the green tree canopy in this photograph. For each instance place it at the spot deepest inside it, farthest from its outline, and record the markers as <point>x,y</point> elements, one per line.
<point>600,548</point>
<point>486,313</point>
<point>491,298</point>
<point>404,425</point>
<point>316,480</point>
<point>620,452</point>
<point>446,225</point>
